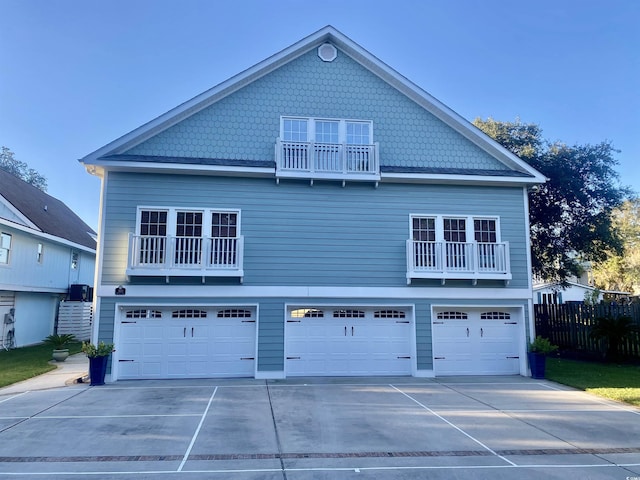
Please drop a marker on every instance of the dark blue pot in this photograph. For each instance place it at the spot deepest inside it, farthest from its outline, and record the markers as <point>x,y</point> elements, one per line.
<point>537,363</point>
<point>98,369</point>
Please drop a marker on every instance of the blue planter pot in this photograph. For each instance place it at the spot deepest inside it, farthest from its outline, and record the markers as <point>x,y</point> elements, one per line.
<point>98,369</point>
<point>537,363</point>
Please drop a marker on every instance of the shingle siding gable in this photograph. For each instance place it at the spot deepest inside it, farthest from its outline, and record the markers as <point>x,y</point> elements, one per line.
<point>244,125</point>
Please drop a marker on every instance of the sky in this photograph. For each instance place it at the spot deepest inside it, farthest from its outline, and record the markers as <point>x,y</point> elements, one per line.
<point>77,74</point>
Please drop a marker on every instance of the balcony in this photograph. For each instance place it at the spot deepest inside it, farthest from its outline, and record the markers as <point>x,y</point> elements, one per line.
<point>458,261</point>
<point>185,256</point>
<point>327,161</point>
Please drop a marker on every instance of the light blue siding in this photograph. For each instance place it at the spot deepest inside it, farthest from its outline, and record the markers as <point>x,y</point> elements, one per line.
<point>54,272</point>
<point>246,124</point>
<point>325,235</point>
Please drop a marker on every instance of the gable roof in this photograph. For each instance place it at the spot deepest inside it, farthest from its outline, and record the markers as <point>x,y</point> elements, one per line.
<point>42,212</point>
<point>106,155</point>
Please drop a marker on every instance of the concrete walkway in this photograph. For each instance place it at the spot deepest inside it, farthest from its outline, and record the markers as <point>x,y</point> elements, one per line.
<point>68,372</point>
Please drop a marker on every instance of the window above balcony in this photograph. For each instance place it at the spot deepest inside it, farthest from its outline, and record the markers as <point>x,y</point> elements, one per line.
<point>173,242</point>
<point>331,149</point>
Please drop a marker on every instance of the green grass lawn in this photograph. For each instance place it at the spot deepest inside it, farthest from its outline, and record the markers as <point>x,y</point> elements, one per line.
<point>27,362</point>
<point>608,380</point>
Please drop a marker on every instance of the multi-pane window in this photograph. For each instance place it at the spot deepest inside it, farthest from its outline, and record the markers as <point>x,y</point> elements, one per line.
<point>294,130</point>
<point>332,131</point>
<point>455,243</point>
<point>189,224</point>
<point>455,230</point>
<point>153,231</point>
<point>188,237</point>
<point>326,131</point>
<point>485,230</point>
<point>358,133</point>
<point>224,224</point>
<point>153,223</point>
<point>5,247</point>
<point>424,229</point>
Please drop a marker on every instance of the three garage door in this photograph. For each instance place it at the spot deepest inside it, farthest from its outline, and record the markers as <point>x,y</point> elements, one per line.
<point>186,343</point>
<point>348,342</point>
<point>476,341</point>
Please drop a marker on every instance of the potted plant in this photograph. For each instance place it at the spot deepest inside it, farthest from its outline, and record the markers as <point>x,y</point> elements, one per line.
<point>539,348</point>
<point>98,358</point>
<point>59,344</point>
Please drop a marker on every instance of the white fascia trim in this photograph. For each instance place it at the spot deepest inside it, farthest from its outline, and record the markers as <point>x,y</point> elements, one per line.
<point>101,166</point>
<point>47,236</point>
<point>9,206</point>
<point>302,292</point>
<point>35,289</point>
<point>451,179</point>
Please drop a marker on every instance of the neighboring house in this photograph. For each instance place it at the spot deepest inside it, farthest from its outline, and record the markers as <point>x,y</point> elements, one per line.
<point>574,291</point>
<point>44,248</point>
<point>317,214</point>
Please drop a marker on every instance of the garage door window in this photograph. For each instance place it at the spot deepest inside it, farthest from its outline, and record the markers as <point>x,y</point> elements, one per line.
<point>188,313</point>
<point>348,314</point>
<point>143,314</point>
<point>389,314</point>
<point>234,313</point>
<point>307,313</point>
<point>452,316</point>
<point>495,316</point>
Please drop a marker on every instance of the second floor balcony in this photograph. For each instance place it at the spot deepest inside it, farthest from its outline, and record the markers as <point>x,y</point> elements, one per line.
<point>458,261</point>
<point>174,256</point>
<point>331,161</point>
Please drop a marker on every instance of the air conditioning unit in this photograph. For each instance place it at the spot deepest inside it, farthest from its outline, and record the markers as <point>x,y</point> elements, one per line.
<point>80,293</point>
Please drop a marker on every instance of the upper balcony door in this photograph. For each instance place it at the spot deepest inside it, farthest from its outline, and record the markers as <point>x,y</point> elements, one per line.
<point>326,148</point>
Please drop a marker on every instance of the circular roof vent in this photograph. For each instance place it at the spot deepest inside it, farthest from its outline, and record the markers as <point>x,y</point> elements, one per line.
<point>327,52</point>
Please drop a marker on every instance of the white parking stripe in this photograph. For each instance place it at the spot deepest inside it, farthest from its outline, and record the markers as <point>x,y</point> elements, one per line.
<point>454,426</point>
<point>195,435</point>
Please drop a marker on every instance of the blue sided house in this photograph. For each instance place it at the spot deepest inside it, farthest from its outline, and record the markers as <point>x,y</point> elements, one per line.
<point>316,215</point>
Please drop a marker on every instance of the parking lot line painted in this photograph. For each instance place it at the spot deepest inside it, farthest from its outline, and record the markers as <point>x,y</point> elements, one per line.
<point>12,397</point>
<point>195,434</point>
<point>453,425</point>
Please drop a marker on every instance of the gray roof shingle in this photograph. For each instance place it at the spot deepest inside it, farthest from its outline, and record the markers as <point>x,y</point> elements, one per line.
<point>48,213</point>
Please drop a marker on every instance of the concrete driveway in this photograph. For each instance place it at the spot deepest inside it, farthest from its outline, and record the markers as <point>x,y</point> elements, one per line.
<point>331,428</point>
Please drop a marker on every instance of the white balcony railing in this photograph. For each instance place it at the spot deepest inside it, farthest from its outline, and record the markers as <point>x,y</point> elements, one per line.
<point>454,260</point>
<point>185,256</point>
<point>327,161</point>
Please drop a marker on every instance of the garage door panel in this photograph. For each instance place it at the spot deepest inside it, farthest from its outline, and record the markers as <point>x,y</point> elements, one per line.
<point>351,343</point>
<point>485,343</point>
<point>174,345</point>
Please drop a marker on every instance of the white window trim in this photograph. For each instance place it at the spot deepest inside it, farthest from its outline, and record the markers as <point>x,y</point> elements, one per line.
<point>469,228</point>
<point>172,213</point>
<point>9,249</point>
<point>342,127</point>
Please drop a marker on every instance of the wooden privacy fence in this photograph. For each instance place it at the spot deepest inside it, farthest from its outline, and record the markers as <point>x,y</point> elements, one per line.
<point>568,326</point>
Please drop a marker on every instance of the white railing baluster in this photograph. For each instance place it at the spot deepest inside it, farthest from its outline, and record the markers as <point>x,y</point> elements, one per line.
<point>430,259</point>
<point>185,253</point>
<point>327,158</point>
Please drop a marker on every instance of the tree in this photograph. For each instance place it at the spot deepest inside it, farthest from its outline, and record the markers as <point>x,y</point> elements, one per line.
<point>621,271</point>
<point>21,170</point>
<point>570,214</point>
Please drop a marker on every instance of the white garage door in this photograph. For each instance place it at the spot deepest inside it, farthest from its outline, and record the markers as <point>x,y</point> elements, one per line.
<point>184,342</point>
<point>476,341</point>
<point>348,342</point>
